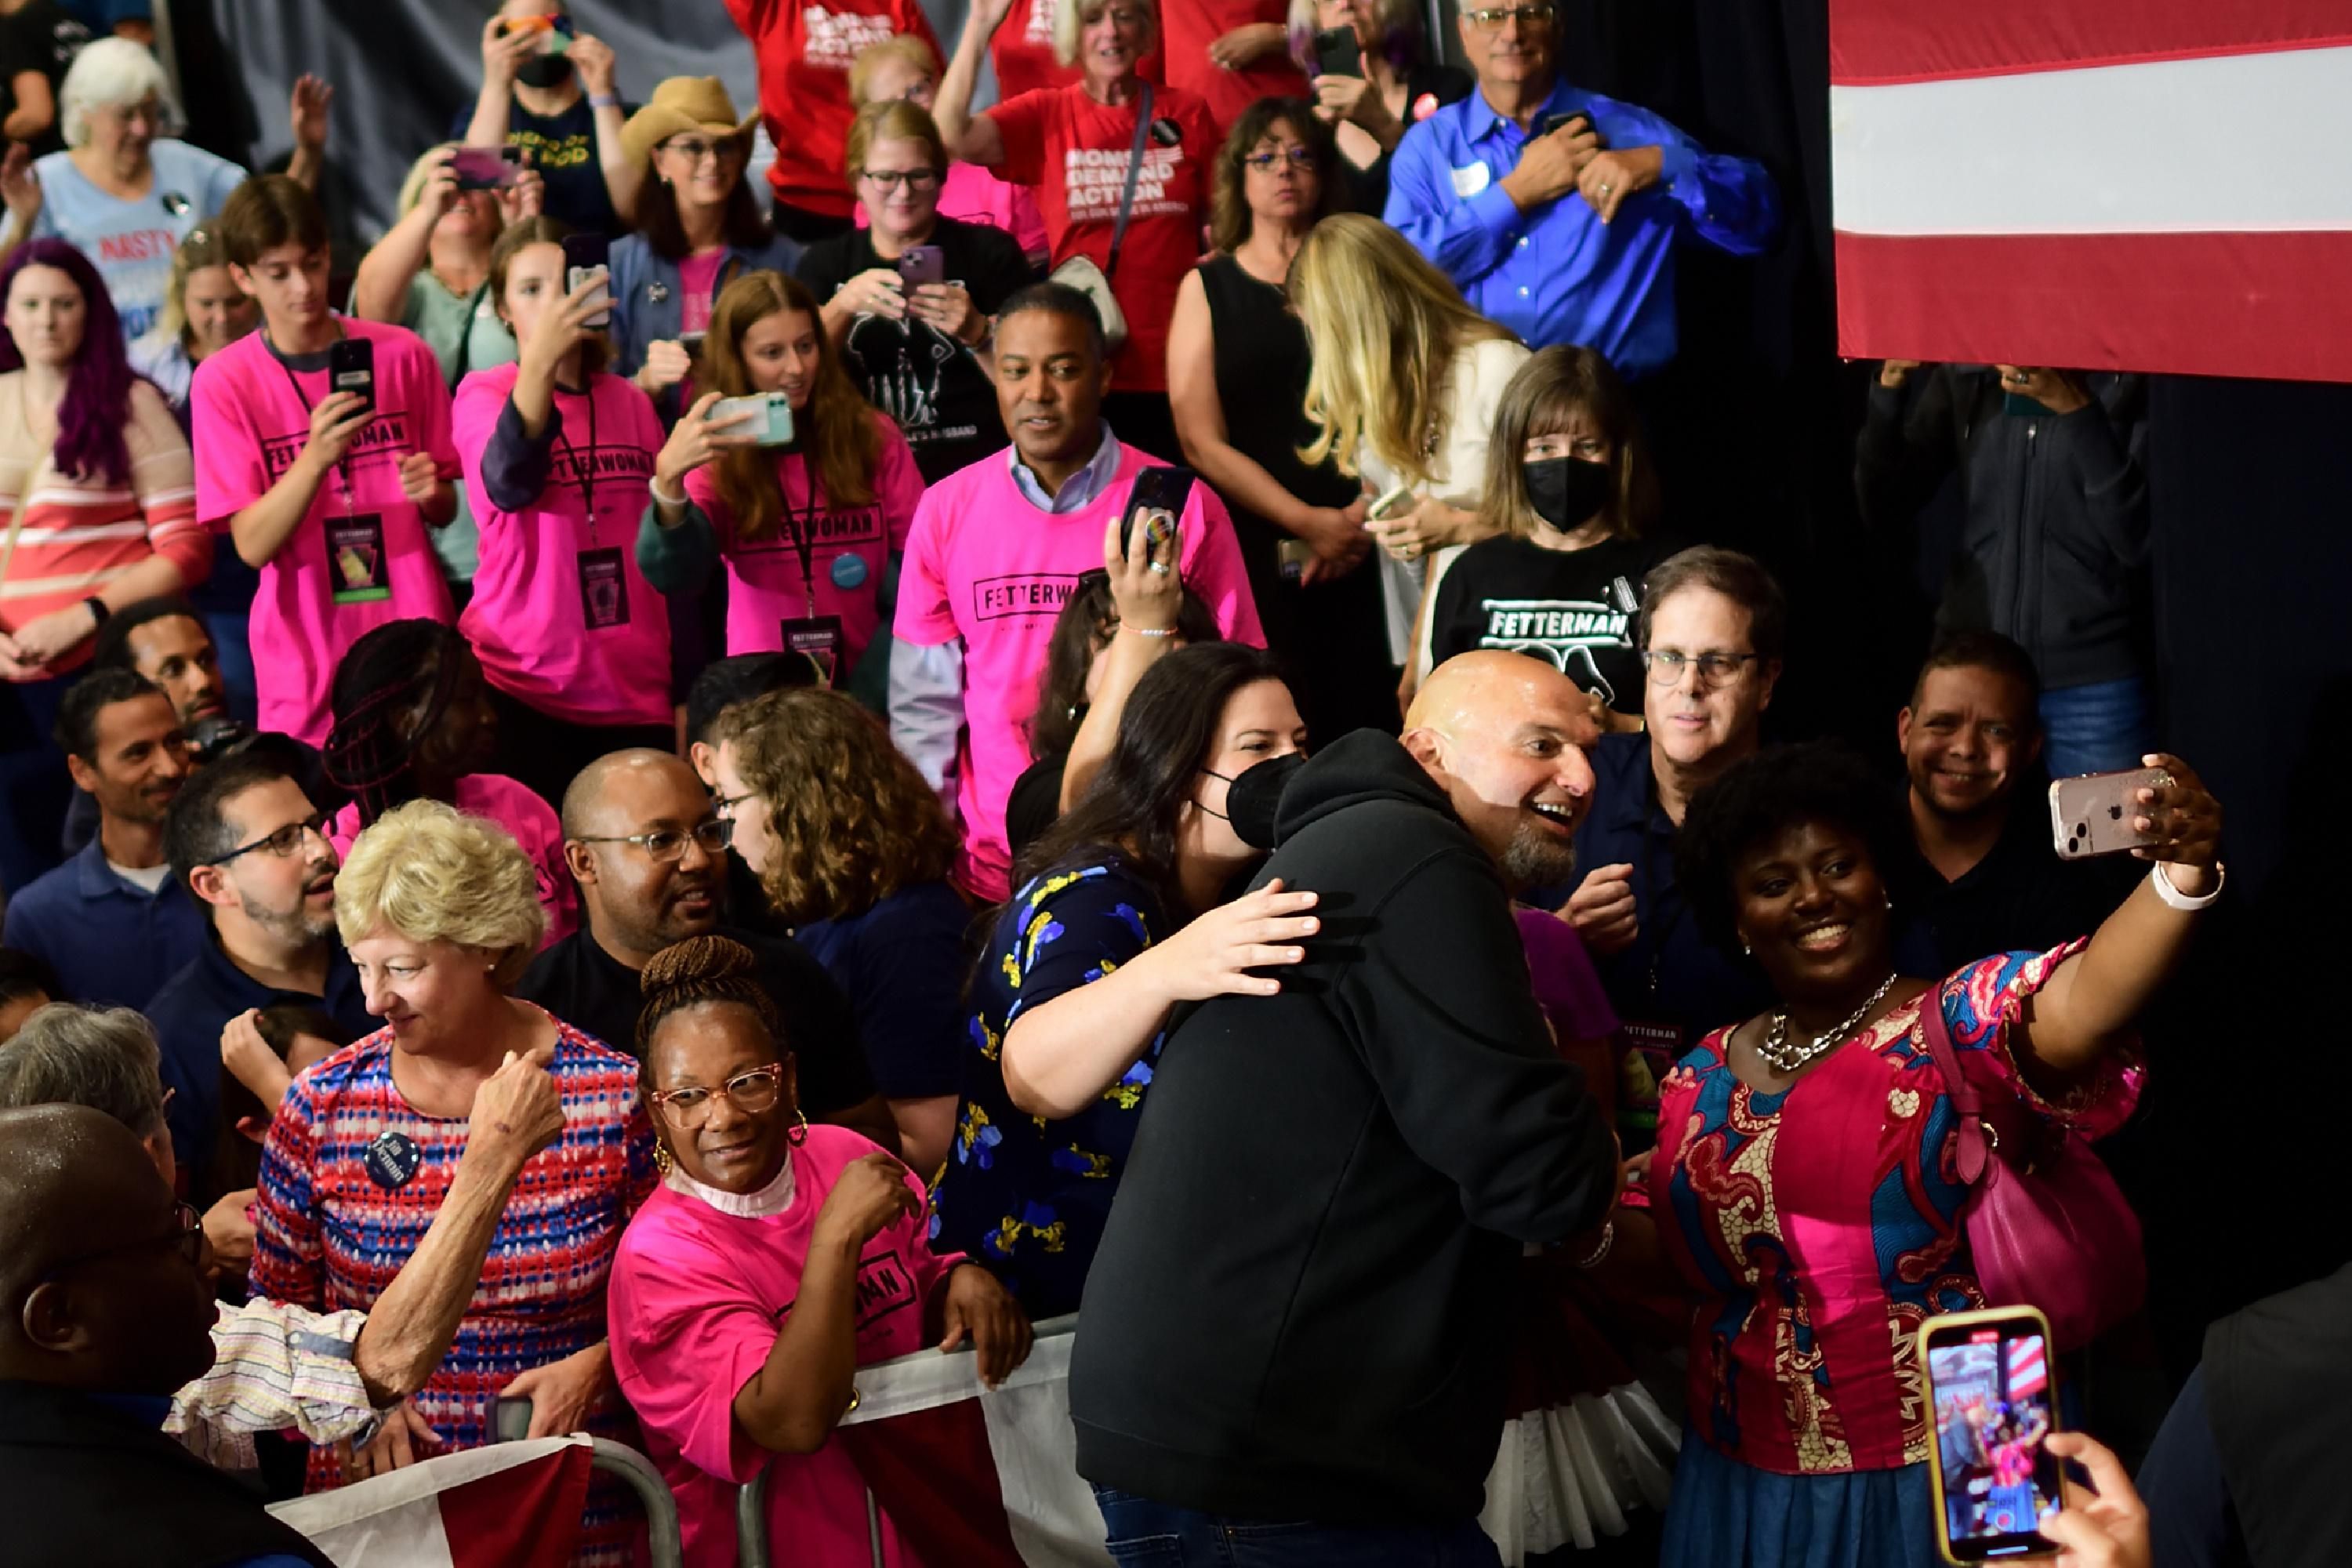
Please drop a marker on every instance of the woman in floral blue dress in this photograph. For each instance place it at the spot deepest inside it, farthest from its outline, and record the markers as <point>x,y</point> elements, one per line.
<point>1804,1183</point>
<point>1107,901</point>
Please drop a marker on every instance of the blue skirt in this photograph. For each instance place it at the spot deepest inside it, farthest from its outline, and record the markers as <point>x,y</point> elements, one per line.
<point>1725,1514</point>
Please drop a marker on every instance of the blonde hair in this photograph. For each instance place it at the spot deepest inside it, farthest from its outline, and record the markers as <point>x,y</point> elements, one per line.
<point>1385,326</point>
<point>411,189</point>
<point>202,248</point>
<point>1071,17</point>
<point>892,119</point>
<point>433,874</point>
<point>905,48</point>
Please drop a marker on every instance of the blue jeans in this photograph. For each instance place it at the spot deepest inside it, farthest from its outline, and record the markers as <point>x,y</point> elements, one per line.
<point>2103,728</point>
<point>1161,1535</point>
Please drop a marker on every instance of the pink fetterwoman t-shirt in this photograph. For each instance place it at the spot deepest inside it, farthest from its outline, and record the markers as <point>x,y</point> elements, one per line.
<point>985,567</point>
<point>561,618</point>
<point>533,824</point>
<point>846,549</point>
<point>359,557</point>
<point>697,1299</point>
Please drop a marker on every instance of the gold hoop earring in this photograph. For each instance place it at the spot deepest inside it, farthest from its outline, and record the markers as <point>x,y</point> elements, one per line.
<point>800,1133</point>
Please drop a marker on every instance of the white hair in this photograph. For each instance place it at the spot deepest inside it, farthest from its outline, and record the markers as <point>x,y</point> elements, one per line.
<point>114,73</point>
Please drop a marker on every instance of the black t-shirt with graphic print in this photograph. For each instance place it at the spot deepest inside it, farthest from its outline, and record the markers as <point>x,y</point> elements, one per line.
<point>934,388</point>
<point>1572,608</point>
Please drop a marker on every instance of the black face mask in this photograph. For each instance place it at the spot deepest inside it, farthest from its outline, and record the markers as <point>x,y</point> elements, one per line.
<point>1566,491</point>
<point>544,71</point>
<point>1253,797</point>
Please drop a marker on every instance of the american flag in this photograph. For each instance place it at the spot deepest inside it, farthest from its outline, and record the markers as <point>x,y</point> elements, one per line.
<point>2029,1367</point>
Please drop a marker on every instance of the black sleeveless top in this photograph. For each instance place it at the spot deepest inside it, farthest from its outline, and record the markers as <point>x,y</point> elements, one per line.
<point>1262,364</point>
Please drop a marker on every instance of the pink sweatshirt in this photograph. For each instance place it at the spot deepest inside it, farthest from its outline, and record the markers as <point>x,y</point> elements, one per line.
<point>848,548</point>
<point>250,425</point>
<point>530,619</point>
<point>985,567</point>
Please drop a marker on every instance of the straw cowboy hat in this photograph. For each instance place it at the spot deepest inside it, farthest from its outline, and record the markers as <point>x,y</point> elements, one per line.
<point>681,104</point>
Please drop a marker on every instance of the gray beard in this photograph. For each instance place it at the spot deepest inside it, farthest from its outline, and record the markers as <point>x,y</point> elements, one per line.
<point>1533,860</point>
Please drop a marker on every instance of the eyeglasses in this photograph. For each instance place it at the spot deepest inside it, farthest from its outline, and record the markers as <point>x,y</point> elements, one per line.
<point>695,148</point>
<point>1297,157</point>
<point>187,1234</point>
<point>726,804</point>
<point>286,841</point>
<point>666,846</point>
<point>1493,17</point>
<point>1666,667</point>
<point>752,1092</point>
<point>913,179</point>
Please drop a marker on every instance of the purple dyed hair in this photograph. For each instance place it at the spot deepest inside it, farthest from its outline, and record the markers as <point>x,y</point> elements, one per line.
<point>98,388</point>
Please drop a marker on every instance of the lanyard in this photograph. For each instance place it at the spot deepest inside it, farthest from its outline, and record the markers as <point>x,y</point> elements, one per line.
<point>579,466</point>
<point>804,538</point>
<point>311,411</point>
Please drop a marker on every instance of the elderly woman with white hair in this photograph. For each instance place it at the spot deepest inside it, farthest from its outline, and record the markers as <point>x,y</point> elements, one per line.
<point>441,913</point>
<point>1395,85</point>
<point>124,192</point>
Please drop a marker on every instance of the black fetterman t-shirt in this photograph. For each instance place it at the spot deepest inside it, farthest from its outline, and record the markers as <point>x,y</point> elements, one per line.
<point>1574,608</point>
<point>590,989</point>
<point>932,387</point>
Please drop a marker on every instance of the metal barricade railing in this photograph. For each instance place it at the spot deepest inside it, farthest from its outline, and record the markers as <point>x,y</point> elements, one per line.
<point>665,1548</point>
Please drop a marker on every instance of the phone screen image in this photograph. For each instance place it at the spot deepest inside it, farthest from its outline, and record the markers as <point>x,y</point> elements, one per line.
<point>1993,1407</point>
<point>586,255</point>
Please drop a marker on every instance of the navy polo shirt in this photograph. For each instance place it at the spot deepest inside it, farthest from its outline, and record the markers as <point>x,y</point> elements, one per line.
<point>112,941</point>
<point>189,1014</point>
<point>1670,975</point>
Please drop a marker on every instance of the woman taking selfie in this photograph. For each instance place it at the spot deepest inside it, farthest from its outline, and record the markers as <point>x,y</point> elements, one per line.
<point>700,228</point>
<point>763,1218</point>
<point>558,452</point>
<point>1804,1185</point>
<point>1109,119</point>
<point>101,515</point>
<point>1237,369</point>
<point>1120,902</point>
<point>807,500</point>
<point>1392,86</point>
<point>916,347</point>
<point>1571,496</point>
<point>1405,383</point>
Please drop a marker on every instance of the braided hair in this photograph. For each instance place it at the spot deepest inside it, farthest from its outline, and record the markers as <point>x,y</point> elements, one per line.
<point>400,668</point>
<point>703,969</point>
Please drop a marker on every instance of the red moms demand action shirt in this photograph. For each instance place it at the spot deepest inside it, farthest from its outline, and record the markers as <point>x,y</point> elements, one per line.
<point>1075,151</point>
<point>804,52</point>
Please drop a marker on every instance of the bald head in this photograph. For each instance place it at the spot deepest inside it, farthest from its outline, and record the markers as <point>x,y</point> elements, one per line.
<point>94,1289</point>
<point>639,903</point>
<point>1503,735</point>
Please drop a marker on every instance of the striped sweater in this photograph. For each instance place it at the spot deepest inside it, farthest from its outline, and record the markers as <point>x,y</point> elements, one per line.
<point>73,536</point>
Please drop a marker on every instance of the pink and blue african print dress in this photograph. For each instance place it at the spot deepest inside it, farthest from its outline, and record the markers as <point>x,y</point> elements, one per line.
<point>333,1228</point>
<point>1023,1196</point>
<point>1819,1226</point>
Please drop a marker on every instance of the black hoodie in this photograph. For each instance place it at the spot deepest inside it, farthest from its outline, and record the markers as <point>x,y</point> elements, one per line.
<point>1298,1311</point>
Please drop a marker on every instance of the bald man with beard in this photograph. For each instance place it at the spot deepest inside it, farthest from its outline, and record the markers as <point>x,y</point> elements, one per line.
<point>1298,1313</point>
<point>104,1313</point>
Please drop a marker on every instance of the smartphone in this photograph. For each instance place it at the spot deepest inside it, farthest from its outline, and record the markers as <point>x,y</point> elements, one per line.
<point>767,418</point>
<point>586,255</point>
<point>1992,1393</point>
<point>2092,814</point>
<point>485,168</point>
<point>1292,556</point>
<point>1338,52</point>
<point>1163,491</point>
<point>555,32</point>
<point>350,367</point>
<point>1389,503</point>
<point>1551,122</point>
<point>921,264</point>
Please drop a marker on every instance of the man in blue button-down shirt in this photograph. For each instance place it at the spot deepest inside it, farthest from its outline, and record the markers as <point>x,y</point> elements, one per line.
<point>110,920</point>
<point>1566,237</point>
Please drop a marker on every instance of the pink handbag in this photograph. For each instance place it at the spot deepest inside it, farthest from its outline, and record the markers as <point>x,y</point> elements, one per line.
<point>2047,1226</point>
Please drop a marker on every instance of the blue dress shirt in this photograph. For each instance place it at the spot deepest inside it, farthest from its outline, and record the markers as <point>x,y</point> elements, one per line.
<point>112,942</point>
<point>1559,274</point>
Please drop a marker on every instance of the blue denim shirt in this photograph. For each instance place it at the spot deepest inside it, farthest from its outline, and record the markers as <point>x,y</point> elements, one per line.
<point>1559,274</point>
<point>649,300</point>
